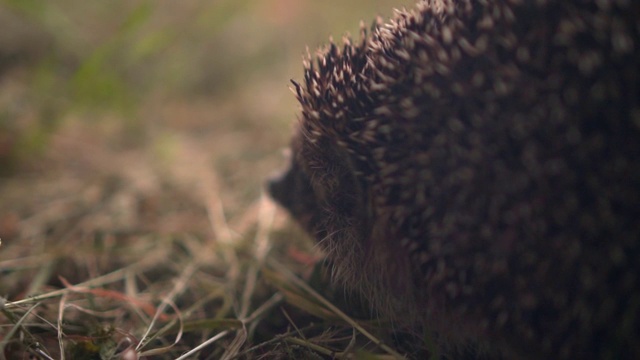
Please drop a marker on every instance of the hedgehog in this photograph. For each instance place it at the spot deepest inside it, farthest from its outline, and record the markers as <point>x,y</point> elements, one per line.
<point>473,168</point>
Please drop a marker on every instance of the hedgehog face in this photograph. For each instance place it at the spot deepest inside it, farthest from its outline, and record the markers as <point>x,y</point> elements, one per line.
<point>319,189</point>
<point>292,189</point>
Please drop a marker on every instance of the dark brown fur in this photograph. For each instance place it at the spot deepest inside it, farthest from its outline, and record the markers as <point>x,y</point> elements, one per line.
<point>474,167</point>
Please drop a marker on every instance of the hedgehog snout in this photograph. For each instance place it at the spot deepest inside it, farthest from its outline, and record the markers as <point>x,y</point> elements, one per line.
<point>292,189</point>
<point>280,185</point>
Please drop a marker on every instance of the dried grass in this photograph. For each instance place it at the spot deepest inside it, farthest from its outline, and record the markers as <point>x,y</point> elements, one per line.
<point>109,268</point>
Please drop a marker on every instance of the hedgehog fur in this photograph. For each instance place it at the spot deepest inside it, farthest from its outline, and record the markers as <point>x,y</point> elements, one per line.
<point>473,167</point>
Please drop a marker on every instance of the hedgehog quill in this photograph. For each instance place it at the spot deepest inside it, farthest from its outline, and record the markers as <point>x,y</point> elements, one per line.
<point>473,167</point>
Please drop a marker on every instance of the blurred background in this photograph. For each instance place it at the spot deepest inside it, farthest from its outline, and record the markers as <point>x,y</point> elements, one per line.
<point>86,86</point>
